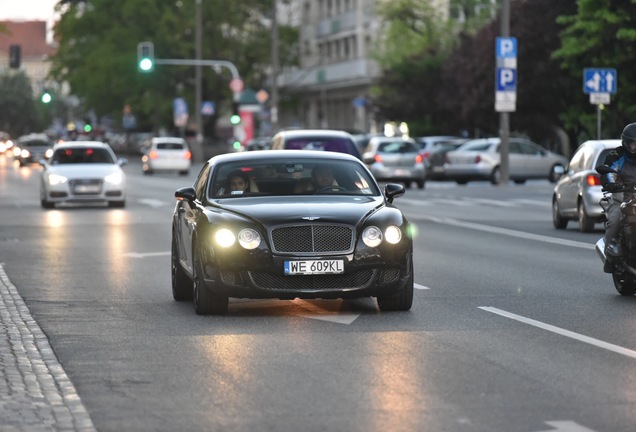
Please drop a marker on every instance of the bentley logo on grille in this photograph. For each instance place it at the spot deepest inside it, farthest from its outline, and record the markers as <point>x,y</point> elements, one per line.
<point>311,218</point>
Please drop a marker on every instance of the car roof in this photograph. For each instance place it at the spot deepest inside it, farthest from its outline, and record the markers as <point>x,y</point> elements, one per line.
<point>314,133</point>
<point>34,136</point>
<point>281,155</point>
<point>81,144</point>
<point>167,139</point>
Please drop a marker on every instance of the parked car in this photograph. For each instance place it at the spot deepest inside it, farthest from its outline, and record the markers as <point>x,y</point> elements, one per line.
<point>167,154</point>
<point>480,159</point>
<point>259,143</point>
<point>33,147</point>
<point>316,139</point>
<point>428,143</point>
<point>436,161</point>
<point>82,171</point>
<point>395,159</point>
<point>346,240</point>
<point>578,192</point>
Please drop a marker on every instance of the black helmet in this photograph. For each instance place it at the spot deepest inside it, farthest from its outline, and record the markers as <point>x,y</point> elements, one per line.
<point>628,138</point>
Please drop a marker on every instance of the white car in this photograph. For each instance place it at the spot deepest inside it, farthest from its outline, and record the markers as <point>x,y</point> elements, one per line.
<point>83,171</point>
<point>167,154</point>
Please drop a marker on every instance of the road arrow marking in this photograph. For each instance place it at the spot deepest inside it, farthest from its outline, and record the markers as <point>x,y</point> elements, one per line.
<point>566,426</point>
<point>146,254</point>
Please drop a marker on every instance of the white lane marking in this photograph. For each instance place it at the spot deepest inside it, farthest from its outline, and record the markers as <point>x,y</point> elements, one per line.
<point>145,254</point>
<point>420,287</point>
<point>567,333</point>
<point>532,202</point>
<point>152,202</point>
<point>425,202</point>
<point>509,232</point>
<point>566,426</point>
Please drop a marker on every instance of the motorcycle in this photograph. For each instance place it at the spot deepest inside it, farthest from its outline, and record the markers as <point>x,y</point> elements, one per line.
<point>619,258</point>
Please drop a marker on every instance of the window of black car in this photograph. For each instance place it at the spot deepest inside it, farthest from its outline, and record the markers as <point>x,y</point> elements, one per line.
<point>81,155</point>
<point>201,181</point>
<point>290,177</point>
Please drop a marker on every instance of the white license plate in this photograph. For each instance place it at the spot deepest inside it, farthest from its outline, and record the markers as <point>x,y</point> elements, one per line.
<point>86,189</point>
<point>402,172</point>
<point>438,169</point>
<point>314,267</point>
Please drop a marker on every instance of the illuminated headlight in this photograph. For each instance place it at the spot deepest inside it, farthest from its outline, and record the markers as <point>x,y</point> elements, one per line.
<point>224,237</point>
<point>48,153</point>
<point>393,234</point>
<point>114,178</point>
<point>372,236</point>
<point>16,151</point>
<point>25,153</point>
<point>55,179</point>
<point>249,238</point>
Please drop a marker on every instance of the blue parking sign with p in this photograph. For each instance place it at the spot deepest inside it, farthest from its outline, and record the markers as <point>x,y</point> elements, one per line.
<point>506,79</point>
<point>506,47</point>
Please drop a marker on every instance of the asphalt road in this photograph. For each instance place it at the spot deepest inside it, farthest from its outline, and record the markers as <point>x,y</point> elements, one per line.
<point>514,327</point>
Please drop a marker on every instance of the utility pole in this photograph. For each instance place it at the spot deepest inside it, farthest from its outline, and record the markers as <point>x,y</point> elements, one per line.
<point>198,155</point>
<point>504,117</point>
<point>274,96</point>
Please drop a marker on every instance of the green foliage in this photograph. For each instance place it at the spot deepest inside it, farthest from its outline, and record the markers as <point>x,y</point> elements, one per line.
<point>18,111</point>
<point>602,34</point>
<point>97,52</point>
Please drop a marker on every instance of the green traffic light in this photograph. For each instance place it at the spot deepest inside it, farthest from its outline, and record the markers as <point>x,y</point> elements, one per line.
<point>235,119</point>
<point>236,145</point>
<point>46,97</point>
<point>145,64</point>
<point>88,128</point>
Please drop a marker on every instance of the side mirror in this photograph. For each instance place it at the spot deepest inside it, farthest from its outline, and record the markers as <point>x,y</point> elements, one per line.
<point>185,194</point>
<point>122,161</point>
<point>42,162</point>
<point>393,190</point>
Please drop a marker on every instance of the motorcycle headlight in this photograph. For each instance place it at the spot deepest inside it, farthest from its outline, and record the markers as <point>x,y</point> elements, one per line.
<point>372,236</point>
<point>114,178</point>
<point>224,237</point>
<point>393,234</point>
<point>249,238</point>
<point>55,179</point>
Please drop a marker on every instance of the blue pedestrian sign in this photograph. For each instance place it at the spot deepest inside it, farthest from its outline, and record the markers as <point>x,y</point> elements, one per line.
<point>597,80</point>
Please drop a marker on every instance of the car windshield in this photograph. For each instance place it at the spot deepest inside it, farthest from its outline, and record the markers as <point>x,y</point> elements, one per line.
<point>35,143</point>
<point>291,177</point>
<point>397,147</point>
<point>81,155</point>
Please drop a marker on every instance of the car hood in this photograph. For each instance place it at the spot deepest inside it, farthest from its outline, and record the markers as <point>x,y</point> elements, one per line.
<point>284,210</point>
<point>92,170</point>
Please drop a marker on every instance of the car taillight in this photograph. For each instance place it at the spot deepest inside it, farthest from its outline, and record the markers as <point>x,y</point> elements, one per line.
<point>425,155</point>
<point>477,159</point>
<point>378,158</point>
<point>593,180</point>
<point>188,155</point>
<point>419,158</point>
<point>153,155</point>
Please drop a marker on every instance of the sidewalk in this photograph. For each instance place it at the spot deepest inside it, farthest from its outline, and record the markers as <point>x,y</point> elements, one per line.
<point>35,392</point>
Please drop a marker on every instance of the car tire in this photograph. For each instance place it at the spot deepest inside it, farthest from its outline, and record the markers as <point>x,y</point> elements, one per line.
<point>495,176</point>
<point>586,223</point>
<point>181,283</point>
<point>205,303</point>
<point>624,285</point>
<point>558,221</point>
<point>184,173</point>
<point>117,204</point>
<point>461,182</point>
<point>520,181</point>
<point>400,302</point>
<point>407,184</point>
<point>47,204</point>
<point>421,184</point>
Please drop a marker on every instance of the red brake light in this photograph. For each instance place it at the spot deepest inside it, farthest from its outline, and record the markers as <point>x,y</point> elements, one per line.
<point>378,158</point>
<point>419,158</point>
<point>153,154</point>
<point>188,154</point>
<point>425,155</point>
<point>477,159</point>
<point>593,180</point>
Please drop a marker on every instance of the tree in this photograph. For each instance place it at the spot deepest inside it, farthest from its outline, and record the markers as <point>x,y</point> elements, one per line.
<point>600,33</point>
<point>101,68</point>
<point>18,111</point>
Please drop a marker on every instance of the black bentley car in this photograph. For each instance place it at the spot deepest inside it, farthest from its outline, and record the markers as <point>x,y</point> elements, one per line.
<point>289,224</point>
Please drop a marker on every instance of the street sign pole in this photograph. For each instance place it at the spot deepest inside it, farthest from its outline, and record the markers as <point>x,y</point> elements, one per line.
<point>504,119</point>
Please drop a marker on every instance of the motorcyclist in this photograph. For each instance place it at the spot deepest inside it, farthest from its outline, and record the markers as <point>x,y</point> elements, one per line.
<point>622,160</point>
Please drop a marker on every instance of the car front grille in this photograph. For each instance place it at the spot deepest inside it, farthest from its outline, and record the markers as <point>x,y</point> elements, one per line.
<point>268,281</point>
<point>312,239</point>
<point>85,186</point>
